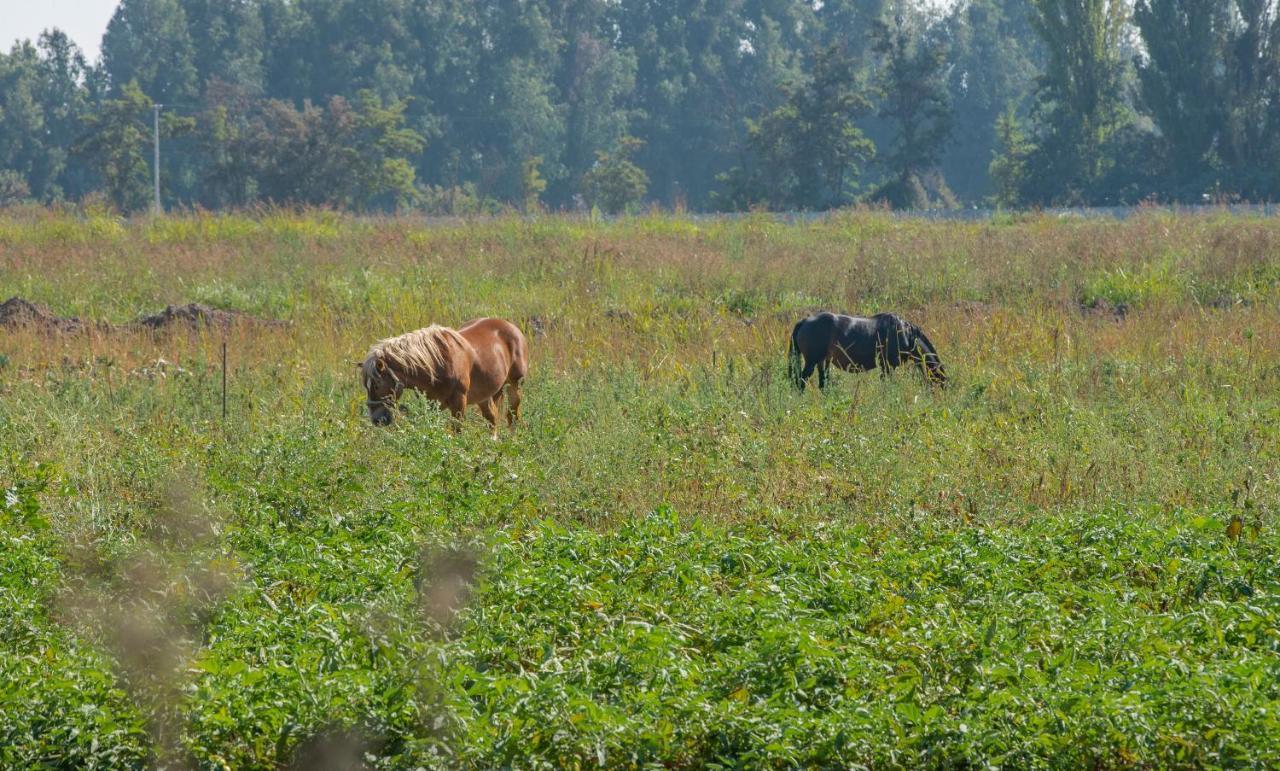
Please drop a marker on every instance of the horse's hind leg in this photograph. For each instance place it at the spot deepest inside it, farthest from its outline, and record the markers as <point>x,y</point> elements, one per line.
<point>513,403</point>
<point>807,372</point>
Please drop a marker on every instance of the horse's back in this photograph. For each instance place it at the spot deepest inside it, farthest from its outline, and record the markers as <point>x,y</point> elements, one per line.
<point>501,340</point>
<point>813,334</point>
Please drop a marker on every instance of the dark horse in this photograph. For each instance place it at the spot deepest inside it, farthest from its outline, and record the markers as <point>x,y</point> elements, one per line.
<point>857,344</point>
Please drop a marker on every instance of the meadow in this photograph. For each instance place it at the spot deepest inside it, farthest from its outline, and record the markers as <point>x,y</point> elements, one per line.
<point>1068,558</point>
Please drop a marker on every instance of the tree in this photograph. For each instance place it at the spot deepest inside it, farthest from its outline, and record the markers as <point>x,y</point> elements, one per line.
<point>703,68</point>
<point>354,156</point>
<point>1252,70</point>
<point>595,80</point>
<point>114,142</point>
<point>775,103</point>
<point>1008,169</point>
<point>148,44</point>
<point>43,99</point>
<point>1210,79</point>
<point>65,94</point>
<point>228,41</point>
<point>1080,99</point>
<point>1182,87</point>
<point>915,102</point>
<point>533,184</point>
<point>993,59</point>
<point>807,153</point>
<point>224,140</point>
<point>21,116</point>
<point>13,188</point>
<point>615,183</point>
<point>380,174</point>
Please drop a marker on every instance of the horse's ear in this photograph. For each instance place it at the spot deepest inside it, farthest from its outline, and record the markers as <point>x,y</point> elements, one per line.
<point>359,364</point>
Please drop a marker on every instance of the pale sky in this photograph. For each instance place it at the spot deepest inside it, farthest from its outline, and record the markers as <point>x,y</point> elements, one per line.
<point>83,20</point>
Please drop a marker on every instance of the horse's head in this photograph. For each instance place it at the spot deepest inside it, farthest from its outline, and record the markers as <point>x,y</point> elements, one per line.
<point>936,373</point>
<point>383,387</point>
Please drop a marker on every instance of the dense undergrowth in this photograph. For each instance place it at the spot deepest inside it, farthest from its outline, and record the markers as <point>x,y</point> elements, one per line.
<point>1068,558</point>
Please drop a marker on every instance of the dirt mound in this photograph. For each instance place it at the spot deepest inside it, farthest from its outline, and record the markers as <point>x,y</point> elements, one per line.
<point>19,313</point>
<point>197,315</point>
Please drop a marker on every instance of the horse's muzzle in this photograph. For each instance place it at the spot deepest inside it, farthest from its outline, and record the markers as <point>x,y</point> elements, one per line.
<point>379,413</point>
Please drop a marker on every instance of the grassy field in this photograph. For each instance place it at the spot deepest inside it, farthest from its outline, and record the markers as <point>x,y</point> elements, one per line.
<point>1069,558</point>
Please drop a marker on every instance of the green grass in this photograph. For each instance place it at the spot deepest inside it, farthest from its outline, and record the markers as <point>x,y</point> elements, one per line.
<point>678,560</point>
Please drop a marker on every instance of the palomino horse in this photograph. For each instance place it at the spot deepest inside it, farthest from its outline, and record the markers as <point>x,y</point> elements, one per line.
<point>470,365</point>
<point>858,344</point>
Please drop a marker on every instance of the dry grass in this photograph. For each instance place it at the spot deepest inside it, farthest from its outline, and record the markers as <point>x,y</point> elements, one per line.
<point>1113,372</point>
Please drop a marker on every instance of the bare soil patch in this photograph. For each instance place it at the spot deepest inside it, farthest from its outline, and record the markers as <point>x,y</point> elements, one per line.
<point>20,313</point>
<point>198,315</point>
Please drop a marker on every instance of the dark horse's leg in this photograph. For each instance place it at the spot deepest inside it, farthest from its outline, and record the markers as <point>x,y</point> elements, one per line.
<point>883,362</point>
<point>802,379</point>
<point>889,343</point>
<point>811,341</point>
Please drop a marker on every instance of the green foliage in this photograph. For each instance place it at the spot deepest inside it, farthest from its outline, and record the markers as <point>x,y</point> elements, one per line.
<point>1008,169</point>
<point>115,139</point>
<point>995,58</point>
<point>13,188</point>
<point>379,172</point>
<point>354,156</point>
<point>615,183</point>
<point>42,102</point>
<point>677,559</point>
<point>667,643</point>
<point>1135,287</point>
<point>916,102</point>
<point>1080,105</point>
<point>61,706</point>
<point>1208,76</point>
<point>533,184</point>
<point>738,105</point>
<point>148,46</point>
<point>807,153</point>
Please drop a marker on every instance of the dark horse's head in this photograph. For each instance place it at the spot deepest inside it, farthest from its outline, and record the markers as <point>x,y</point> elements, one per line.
<point>383,387</point>
<point>924,352</point>
<point>916,346</point>
<point>936,372</point>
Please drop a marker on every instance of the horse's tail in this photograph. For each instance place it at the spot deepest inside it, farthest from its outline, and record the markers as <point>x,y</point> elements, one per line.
<point>794,365</point>
<point>932,362</point>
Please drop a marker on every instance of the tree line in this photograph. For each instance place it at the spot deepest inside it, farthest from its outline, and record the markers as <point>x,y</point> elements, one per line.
<point>472,105</point>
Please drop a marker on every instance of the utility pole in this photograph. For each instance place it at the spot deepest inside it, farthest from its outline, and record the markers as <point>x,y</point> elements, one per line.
<point>155,166</point>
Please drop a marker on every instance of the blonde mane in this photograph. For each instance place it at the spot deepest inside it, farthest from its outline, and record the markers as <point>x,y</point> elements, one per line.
<point>422,352</point>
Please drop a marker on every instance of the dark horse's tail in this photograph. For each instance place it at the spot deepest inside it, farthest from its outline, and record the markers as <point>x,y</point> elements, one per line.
<point>930,359</point>
<point>795,366</point>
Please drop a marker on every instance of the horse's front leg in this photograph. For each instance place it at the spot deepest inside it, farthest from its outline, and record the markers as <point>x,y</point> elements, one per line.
<point>883,362</point>
<point>457,406</point>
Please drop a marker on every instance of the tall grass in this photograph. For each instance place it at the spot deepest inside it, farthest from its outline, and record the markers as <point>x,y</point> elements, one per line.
<point>681,559</point>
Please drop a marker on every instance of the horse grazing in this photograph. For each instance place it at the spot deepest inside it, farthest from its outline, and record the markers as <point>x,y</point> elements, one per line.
<point>469,365</point>
<point>857,344</point>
